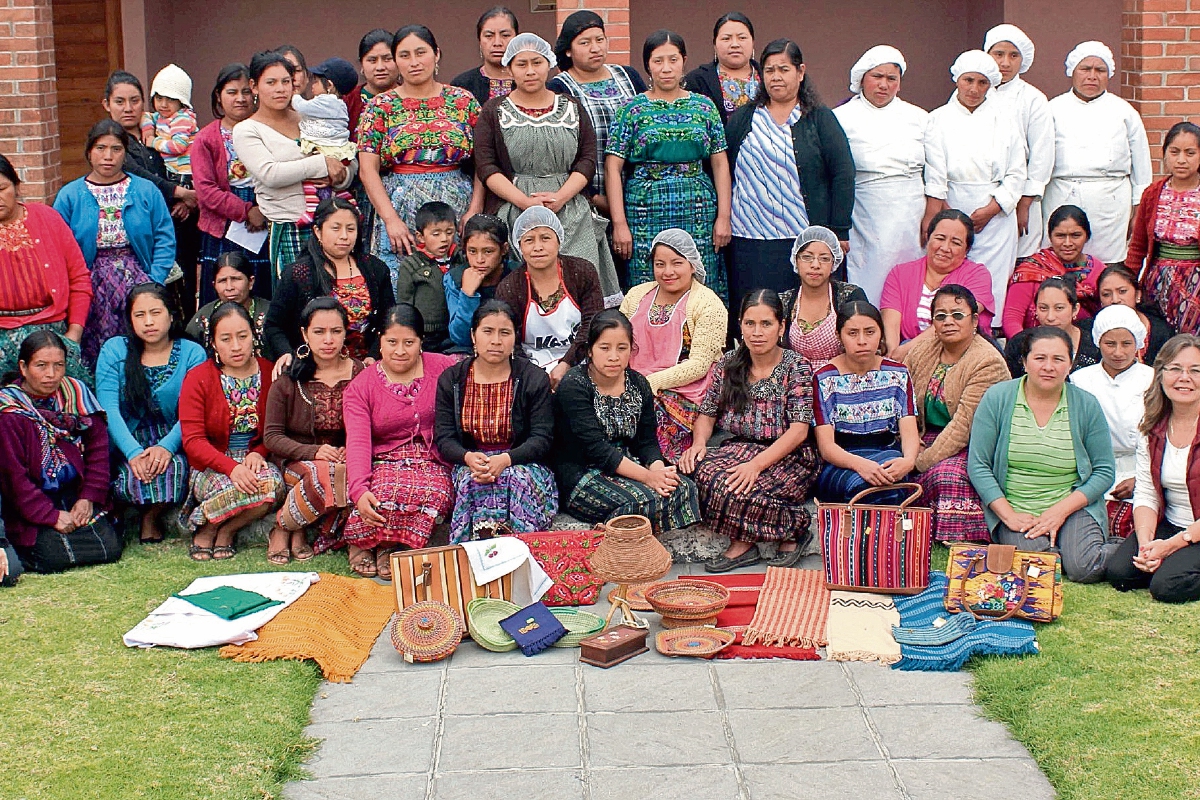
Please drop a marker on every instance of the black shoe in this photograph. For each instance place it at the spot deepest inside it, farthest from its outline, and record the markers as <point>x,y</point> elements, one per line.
<point>727,564</point>
<point>786,558</point>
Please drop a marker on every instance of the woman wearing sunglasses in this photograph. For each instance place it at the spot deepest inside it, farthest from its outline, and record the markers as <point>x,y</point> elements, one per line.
<point>950,372</point>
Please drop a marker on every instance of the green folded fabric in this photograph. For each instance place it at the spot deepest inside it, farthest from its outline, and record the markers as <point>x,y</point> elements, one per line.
<point>229,602</point>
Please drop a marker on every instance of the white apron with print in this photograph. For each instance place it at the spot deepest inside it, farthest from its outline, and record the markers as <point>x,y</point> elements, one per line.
<point>548,335</point>
<point>886,230</point>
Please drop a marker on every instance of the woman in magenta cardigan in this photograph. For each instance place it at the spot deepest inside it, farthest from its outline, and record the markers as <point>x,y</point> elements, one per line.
<point>909,288</point>
<point>397,481</point>
<point>222,413</point>
<point>224,188</point>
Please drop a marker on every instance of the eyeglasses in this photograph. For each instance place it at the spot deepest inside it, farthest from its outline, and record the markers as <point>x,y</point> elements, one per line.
<point>958,316</point>
<point>810,259</point>
<point>1174,372</point>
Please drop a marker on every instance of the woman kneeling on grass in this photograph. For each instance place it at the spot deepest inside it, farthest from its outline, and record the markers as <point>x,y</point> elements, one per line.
<point>222,412</point>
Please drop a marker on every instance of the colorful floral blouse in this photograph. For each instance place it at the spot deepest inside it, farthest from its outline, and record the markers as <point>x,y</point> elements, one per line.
<point>239,176</point>
<point>775,403</point>
<point>1178,219</point>
<point>737,92</point>
<point>434,131</point>
<point>242,396</point>
<point>111,199</point>
<point>497,87</point>
<point>24,282</point>
<point>678,132</point>
<point>327,410</point>
<point>354,296</point>
<point>870,405</point>
<point>618,416</point>
<point>937,413</point>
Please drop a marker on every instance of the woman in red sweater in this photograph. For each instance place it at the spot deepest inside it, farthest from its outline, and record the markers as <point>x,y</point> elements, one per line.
<point>222,411</point>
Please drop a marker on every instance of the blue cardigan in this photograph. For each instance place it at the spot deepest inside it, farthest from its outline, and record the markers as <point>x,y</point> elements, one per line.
<point>991,428</point>
<point>110,378</point>
<point>147,223</point>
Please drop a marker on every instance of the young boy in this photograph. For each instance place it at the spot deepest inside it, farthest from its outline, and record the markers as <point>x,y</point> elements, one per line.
<point>325,125</point>
<point>171,127</point>
<point>419,276</point>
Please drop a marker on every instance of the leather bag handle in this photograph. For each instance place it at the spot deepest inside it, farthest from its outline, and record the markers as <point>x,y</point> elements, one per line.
<point>1012,612</point>
<point>917,491</point>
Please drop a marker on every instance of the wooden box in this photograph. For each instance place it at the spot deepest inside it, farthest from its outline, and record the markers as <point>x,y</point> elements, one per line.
<point>611,647</point>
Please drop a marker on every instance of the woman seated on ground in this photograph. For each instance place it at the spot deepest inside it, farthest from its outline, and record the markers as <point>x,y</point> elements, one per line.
<point>495,423</point>
<point>222,412</point>
<point>485,245</point>
<point>908,289</point>
<point>44,280</point>
<point>54,470</point>
<point>330,268</point>
<point>607,458</point>
<point>680,325</point>
<point>753,487</point>
<point>950,372</point>
<point>1069,231</point>
<point>234,283</point>
<point>1057,307</point>
<point>397,482</point>
<point>554,296</point>
<point>1164,552</point>
<point>1118,286</point>
<point>1119,383</point>
<point>811,319</point>
<point>864,412</point>
<point>1041,460</point>
<point>138,380</point>
<point>307,438</point>
<point>10,563</point>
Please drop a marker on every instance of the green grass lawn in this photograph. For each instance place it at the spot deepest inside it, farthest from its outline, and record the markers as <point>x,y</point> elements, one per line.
<point>1110,708</point>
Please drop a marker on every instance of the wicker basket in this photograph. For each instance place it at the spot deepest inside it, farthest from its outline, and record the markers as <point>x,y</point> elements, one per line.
<point>629,552</point>
<point>687,603</point>
<point>698,642</point>
<point>426,631</point>
<point>483,622</point>
<point>579,625</point>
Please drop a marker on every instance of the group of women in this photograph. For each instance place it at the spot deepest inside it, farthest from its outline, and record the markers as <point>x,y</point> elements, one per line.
<point>731,183</point>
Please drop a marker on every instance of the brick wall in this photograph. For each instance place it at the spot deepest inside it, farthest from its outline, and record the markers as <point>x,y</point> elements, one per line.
<point>1160,64</point>
<point>615,14</point>
<point>28,100</point>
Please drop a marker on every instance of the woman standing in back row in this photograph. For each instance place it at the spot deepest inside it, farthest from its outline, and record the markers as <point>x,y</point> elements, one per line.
<point>733,78</point>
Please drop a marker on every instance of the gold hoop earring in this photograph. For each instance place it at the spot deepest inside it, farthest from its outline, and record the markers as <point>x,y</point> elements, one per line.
<point>303,351</point>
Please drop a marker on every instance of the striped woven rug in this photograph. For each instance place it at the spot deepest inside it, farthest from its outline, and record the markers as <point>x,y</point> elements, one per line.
<point>793,609</point>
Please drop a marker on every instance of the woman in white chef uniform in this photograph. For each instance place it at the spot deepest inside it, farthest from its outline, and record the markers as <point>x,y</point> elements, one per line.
<point>975,162</point>
<point>1101,155</point>
<point>1013,52</point>
<point>887,140</point>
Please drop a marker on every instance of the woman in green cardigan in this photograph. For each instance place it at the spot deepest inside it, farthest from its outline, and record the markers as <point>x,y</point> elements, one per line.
<point>1041,459</point>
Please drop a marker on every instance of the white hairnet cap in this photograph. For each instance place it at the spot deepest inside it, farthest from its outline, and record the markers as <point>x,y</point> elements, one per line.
<point>1117,316</point>
<point>816,233</point>
<point>879,54</point>
<point>1093,48</point>
<point>976,61</point>
<point>528,42</point>
<point>1011,33</point>
<point>536,217</point>
<point>682,242</point>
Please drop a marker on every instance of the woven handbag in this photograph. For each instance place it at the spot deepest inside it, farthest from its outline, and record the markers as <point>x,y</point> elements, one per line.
<point>870,548</point>
<point>998,581</point>
<point>442,574</point>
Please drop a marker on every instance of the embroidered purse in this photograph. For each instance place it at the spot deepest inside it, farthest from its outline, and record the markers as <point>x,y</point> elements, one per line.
<point>566,558</point>
<point>882,549</point>
<point>998,581</point>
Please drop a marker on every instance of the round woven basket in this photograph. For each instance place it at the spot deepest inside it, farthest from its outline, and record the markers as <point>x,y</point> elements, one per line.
<point>483,621</point>
<point>635,596</point>
<point>696,642</point>
<point>426,631</point>
<point>629,552</point>
<point>687,603</point>
<point>579,625</point>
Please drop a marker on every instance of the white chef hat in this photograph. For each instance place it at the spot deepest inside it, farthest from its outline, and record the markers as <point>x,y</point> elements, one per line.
<point>1118,316</point>
<point>816,233</point>
<point>1091,48</point>
<point>682,243</point>
<point>536,217</point>
<point>976,61</point>
<point>171,81</point>
<point>1011,33</point>
<point>530,42</point>
<point>879,54</point>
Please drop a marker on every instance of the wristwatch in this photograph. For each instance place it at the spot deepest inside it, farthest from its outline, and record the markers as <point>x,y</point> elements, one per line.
<point>1187,536</point>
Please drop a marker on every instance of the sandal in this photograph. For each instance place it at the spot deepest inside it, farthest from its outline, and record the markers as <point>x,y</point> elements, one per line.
<point>198,553</point>
<point>303,553</point>
<point>383,565</point>
<point>363,564</point>
<point>279,558</point>
<point>727,564</point>
<point>224,552</point>
<point>786,558</point>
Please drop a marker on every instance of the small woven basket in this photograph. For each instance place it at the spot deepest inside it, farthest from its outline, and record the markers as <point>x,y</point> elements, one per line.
<point>696,642</point>
<point>629,552</point>
<point>483,622</point>
<point>687,603</point>
<point>579,625</point>
<point>426,631</point>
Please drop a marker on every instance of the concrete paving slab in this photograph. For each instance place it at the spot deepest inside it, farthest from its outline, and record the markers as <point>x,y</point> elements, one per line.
<point>882,686</point>
<point>657,739</point>
<point>510,741</point>
<point>372,787</point>
<point>542,784</point>
<point>665,783</point>
<point>940,731</point>
<point>650,685</point>
<point>511,690</point>
<point>370,747</point>
<point>782,684</point>
<point>845,781</point>
<point>378,696</point>
<point>470,654</point>
<point>935,780</point>
<point>797,735</point>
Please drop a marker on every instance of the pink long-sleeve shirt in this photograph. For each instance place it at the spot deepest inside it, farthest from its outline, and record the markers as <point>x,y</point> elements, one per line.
<point>378,420</point>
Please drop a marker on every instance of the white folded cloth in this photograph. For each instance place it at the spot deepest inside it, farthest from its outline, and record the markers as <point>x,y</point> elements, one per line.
<point>492,559</point>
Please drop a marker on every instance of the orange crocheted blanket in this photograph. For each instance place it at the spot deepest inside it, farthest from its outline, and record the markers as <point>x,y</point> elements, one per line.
<point>335,623</point>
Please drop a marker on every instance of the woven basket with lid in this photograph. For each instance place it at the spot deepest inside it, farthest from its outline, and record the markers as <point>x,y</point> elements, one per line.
<point>629,552</point>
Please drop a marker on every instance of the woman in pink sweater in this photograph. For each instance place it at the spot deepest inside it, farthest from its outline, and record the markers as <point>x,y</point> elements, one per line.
<point>396,479</point>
